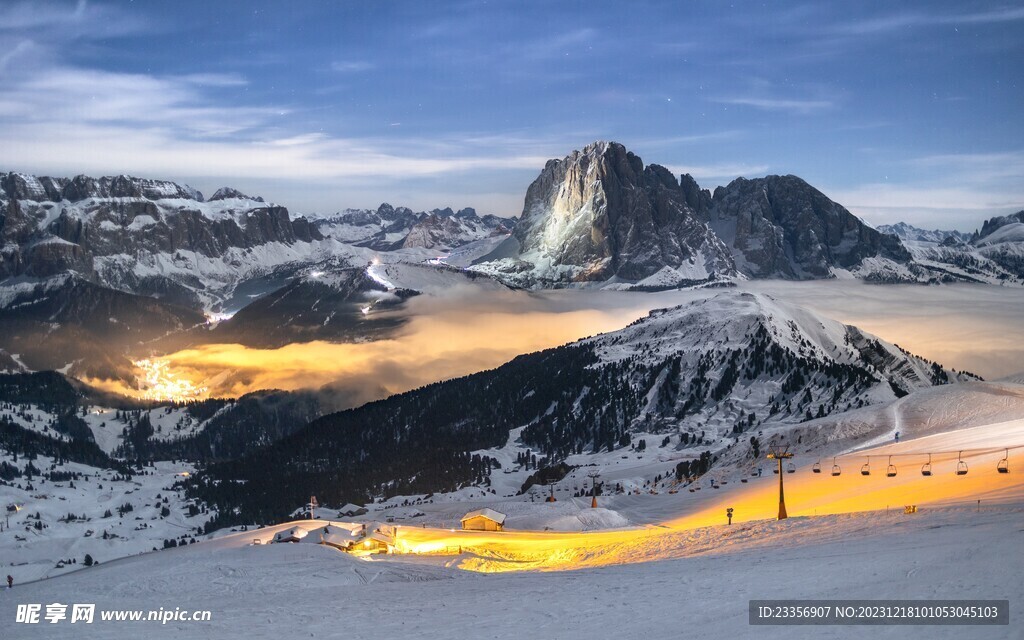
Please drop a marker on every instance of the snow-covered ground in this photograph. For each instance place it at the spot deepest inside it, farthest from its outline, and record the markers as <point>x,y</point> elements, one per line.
<point>31,551</point>
<point>309,590</point>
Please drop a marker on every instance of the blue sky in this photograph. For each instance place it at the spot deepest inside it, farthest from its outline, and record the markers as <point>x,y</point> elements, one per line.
<point>900,111</point>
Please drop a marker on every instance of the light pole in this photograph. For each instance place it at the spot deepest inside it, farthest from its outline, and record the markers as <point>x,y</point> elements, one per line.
<point>780,453</point>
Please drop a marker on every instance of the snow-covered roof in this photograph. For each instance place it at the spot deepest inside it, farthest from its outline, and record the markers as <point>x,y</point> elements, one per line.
<point>490,514</point>
<point>294,533</point>
<point>381,537</point>
<point>338,536</point>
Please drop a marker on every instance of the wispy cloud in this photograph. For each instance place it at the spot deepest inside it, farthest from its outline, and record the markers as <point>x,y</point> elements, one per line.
<point>961,207</point>
<point>81,19</point>
<point>720,173</point>
<point>977,168</point>
<point>908,20</point>
<point>351,66</point>
<point>778,104</point>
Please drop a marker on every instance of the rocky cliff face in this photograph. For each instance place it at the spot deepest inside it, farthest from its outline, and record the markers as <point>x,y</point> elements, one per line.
<point>100,228</point>
<point>782,227</point>
<point>600,214</point>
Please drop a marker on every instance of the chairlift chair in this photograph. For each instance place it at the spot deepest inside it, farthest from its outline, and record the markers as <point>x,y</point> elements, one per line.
<point>890,471</point>
<point>961,466</point>
<point>1004,464</point>
<point>866,469</point>
<point>791,468</point>
<point>816,467</point>
<point>835,468</point>
<point>926,468</point>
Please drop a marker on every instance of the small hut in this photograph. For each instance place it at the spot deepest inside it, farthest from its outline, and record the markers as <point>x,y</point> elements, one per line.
<point>376,542</point>
<point>483,520</point>
<point>351,510</point>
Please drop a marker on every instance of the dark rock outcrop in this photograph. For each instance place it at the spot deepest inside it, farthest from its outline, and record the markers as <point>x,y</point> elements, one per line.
<point>782,227</point>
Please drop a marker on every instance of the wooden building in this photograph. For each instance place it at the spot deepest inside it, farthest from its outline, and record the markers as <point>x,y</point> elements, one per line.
<point>483,520</point>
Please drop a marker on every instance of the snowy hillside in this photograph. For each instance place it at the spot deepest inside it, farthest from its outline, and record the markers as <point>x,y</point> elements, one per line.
<point>701,375</point>
<point>60,512</point>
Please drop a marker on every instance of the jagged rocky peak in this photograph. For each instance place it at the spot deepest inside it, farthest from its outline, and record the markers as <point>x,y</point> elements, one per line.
<point>22,186</point>
<point>992,225</point>
<point>226,193</point>
<point>599,213</point>
<point>782,227</point>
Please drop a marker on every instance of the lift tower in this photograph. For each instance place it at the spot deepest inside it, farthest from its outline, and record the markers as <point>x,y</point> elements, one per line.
<point>780,453</point>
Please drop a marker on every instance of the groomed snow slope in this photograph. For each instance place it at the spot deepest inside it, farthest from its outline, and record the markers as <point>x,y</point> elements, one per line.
<point>305,590</point>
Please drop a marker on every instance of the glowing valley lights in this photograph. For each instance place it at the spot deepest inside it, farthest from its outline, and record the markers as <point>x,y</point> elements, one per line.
<point>161,384</point>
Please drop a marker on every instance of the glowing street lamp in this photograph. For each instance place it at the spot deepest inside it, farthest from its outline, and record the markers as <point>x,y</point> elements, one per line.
<point>780,453</point>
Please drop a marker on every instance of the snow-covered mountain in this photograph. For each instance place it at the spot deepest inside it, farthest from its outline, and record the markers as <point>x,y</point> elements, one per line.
<point>67,322</point>
<point>600,215</point>
<point>993,254</point>
<point>910,233</point>
<point>782,227</point>
<point>149,237</point>
<point>390,228</point>
<point>339,305</point>
<point>704,372</point>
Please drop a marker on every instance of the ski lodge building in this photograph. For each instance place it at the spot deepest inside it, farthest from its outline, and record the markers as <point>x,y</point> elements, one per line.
<point>483,520</point>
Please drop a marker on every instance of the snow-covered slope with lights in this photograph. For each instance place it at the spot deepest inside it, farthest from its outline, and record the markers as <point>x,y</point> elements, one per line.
<point>285,587</point>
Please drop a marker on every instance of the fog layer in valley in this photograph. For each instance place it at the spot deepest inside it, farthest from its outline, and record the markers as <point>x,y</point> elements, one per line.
<point>975,328</point>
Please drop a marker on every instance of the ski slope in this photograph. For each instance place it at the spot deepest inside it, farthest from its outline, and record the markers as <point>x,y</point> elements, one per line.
<point>308,590</point>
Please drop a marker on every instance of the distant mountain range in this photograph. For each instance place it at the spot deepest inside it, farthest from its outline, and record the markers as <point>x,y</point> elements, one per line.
<point>389,228</point>
<point>102,267</point>
<point>993,254</point>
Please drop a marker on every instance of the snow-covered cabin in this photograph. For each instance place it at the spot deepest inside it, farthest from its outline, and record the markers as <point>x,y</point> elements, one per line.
<point>350,510</point>
<point>376,542</point>
<point>483,520</point>
<point>293,534</point>
<point>339,537</point>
